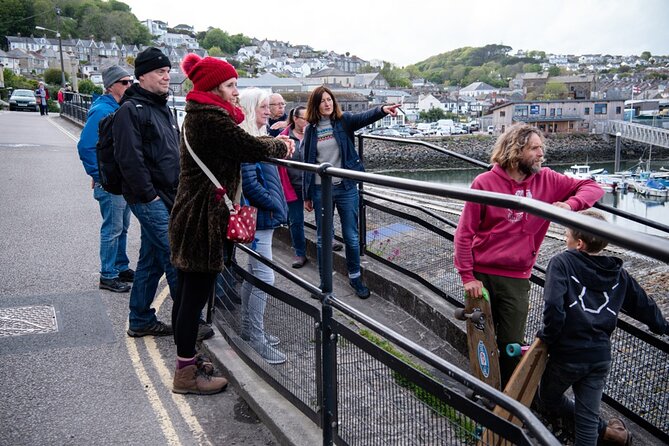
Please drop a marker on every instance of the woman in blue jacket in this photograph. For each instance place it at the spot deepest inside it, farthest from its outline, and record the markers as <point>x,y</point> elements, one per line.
<point>329,139</point>
<point>262,188</point>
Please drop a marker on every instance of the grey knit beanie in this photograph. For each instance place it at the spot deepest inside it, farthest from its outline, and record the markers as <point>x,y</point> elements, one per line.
<point>112,74</point>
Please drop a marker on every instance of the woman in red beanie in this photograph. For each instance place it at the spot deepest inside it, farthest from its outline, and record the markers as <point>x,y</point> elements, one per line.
<point>199,219</point>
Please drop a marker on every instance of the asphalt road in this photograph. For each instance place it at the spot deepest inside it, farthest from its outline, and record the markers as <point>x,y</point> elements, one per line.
<point>83,381</point>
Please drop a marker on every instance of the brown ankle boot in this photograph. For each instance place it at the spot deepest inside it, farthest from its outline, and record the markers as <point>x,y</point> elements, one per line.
<point>616,434</point>
<point>191,379</point>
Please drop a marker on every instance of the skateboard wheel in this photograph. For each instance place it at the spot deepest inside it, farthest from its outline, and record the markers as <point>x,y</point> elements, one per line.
<point>478,316</point>
<point>469,393</point>
<point>459,314</point>
<point>513,350</point>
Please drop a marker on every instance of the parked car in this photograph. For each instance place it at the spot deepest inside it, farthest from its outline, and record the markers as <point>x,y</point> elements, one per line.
<point>386,132</point>
<point>23,100</point>
<point>473,126</point>
<point>491,129</point>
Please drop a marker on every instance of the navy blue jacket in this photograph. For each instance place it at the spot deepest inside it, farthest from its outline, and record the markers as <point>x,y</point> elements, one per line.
<point>262,188</point>
<point>343,130</point>
<point>583,295</point>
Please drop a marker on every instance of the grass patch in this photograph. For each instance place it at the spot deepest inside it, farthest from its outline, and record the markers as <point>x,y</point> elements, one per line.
<point>466,425</point>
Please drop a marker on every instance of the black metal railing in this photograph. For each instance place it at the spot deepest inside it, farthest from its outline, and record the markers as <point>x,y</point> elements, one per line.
<point>76,106</point>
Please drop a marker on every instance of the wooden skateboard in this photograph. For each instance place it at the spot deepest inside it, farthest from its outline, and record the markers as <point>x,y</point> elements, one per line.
<point>524,381</point>
<point>481,343</point>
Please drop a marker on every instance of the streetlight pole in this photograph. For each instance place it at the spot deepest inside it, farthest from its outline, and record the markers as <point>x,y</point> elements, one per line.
<point>60,47</point>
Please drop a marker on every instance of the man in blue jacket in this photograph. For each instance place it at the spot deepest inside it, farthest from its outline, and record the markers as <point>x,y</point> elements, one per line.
<point>114,270</point>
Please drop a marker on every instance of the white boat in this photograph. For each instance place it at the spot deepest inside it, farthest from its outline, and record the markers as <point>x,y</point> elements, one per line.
<point>582,171</point>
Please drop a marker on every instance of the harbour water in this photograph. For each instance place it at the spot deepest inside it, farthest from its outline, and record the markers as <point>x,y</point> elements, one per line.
<point>647,207</point>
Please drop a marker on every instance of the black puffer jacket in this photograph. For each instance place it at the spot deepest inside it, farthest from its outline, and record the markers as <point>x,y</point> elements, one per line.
<point>146,147</point>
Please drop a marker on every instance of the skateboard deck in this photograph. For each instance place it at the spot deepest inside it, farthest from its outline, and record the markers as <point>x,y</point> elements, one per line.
<point>481,343</point>
<point>524,381</point>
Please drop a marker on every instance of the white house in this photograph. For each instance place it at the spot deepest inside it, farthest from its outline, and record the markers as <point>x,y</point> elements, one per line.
<point>426,102</point>
<point>478,89</point>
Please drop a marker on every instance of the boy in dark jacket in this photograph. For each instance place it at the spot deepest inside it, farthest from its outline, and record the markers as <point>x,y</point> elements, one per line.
<point>583,294</point>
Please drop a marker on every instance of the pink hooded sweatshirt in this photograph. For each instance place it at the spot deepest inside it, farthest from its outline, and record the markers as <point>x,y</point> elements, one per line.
<point>505,242</point>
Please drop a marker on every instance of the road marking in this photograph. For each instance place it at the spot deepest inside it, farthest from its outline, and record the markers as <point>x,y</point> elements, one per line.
<point>166,377</point>
<point>62,129</point>
<point>158,408</point>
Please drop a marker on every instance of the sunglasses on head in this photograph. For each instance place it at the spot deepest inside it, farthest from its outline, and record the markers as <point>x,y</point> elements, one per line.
<point>125,82</point>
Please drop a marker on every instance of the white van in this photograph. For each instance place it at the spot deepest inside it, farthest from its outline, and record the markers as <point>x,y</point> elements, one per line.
<point>491,129</point>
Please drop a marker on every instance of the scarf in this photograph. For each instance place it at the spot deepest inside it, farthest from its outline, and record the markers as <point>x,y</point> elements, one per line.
<point>208,98</point>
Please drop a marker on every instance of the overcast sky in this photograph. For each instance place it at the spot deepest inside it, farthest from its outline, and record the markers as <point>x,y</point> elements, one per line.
<point>406,32</point>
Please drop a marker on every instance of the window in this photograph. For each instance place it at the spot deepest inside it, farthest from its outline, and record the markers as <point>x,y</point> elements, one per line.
<point>618,110</point>
<point>587,111</point>
<point>502,114</point>
<point>600,109</point>
<point>543,112</point>
<point>520,110</point>
<point>559,112</point>
<point>552,112</point>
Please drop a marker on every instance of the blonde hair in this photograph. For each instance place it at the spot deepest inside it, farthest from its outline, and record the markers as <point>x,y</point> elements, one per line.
<point>249,100</point>
<point>510,144</point>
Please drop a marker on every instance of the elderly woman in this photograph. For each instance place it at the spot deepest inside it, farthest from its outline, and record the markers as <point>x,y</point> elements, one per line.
<point>199,219</point>
<point>262,188</point>
<point>329,139</point>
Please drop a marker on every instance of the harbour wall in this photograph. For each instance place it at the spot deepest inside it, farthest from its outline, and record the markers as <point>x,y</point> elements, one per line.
<point>560,149</point>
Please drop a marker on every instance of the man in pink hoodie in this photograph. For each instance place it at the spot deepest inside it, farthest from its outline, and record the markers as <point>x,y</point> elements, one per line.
<point>496,248</point>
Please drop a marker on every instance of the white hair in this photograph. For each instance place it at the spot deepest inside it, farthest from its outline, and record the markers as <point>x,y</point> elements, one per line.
<point>249,100</point>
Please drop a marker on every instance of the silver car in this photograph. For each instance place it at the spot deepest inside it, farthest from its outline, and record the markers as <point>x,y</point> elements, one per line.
<point>23,100</point>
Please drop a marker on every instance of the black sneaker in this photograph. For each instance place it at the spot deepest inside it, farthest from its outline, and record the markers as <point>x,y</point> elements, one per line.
<point>157,329</point>
<point>204,331</point>
<point>126,276</point>
<point>114,285</point>
<point>336,246</point>
<point>360,289</point>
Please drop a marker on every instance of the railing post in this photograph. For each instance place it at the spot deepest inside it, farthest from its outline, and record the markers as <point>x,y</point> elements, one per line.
<point>329,355</point>
<point>616,165</point>
<point>362,209</point>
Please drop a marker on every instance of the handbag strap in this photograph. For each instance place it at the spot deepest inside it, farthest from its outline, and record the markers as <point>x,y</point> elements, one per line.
<point>205,169</point>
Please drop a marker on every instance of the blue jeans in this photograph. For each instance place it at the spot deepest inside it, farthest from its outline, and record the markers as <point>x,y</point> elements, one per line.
<point>154,260</point>
<point>587,380</point>
<point>113,232</point>
<point>254,300</point>
<point>346,202</point>
<point>296,224</point>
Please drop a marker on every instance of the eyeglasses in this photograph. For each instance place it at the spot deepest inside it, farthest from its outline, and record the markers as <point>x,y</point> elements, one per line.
<point>125,82</point>
<point>281,104</point>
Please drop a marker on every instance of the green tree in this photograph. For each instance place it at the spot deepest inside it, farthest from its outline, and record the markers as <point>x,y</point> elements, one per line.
<point>554,70</point>
<point>645,55</point>
<point>52,76</point>
<point>432,115</point>
<point>215,51</point>
<point>15,81</point>
<point>88,87</point>
<point>555,90</point>
<point>228,44</point>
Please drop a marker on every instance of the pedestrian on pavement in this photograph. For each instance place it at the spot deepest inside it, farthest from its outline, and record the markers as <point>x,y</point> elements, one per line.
<point>584,293</point>
<point>146,147</point>
<point>262,188</point>
<point>198,223</point>
<point>329,139</point>
<point>115,272</point>
<point>42,95</point>
<point>278,120</point>
<point>496,248</point>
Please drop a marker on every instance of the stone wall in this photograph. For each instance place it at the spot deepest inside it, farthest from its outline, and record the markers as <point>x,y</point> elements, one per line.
<point>561,149</point>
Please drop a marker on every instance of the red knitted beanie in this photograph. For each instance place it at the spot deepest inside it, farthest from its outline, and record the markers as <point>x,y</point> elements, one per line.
<point>207,73</point>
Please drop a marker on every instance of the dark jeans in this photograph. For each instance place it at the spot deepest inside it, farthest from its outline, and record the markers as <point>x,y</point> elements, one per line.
<point>509,300</point>
<point>154,260</point>
<point>346,203</point>
<point>296,224</point>
<point>193,292</point>
<point>587,381</point>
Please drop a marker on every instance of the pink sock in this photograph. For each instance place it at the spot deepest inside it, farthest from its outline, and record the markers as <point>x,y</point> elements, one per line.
<point>181,363</point>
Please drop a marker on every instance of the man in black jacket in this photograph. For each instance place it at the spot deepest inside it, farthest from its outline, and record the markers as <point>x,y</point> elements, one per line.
<point>146,147</point>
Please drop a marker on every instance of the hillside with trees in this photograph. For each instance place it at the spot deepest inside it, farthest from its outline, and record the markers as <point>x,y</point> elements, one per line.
<point>83,19</point>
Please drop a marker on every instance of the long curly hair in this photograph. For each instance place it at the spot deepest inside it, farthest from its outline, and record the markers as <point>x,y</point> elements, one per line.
<point>510,144</point>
